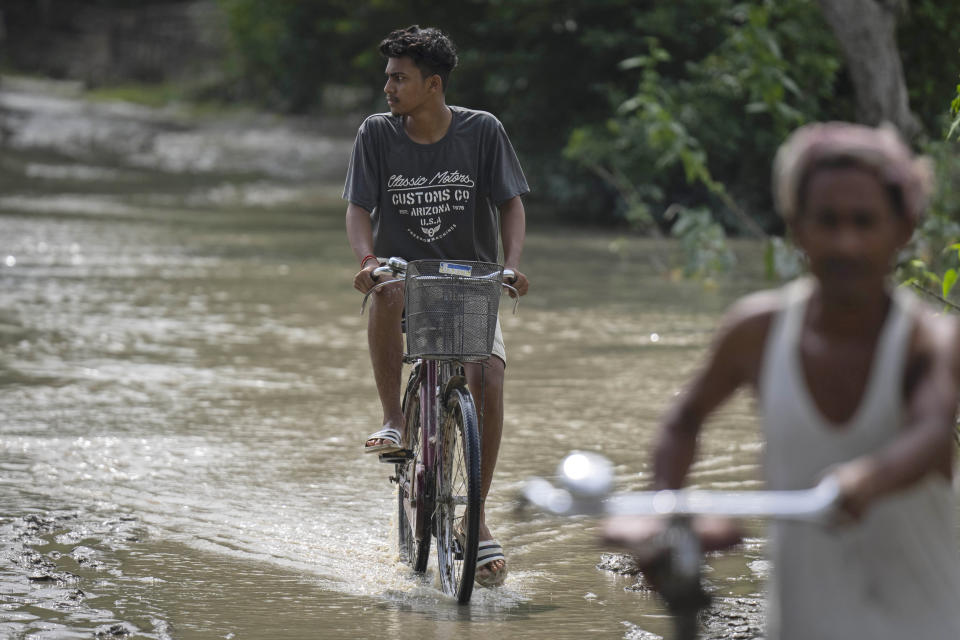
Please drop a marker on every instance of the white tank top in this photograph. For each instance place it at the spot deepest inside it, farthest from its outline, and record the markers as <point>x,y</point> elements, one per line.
<point>896,574</point>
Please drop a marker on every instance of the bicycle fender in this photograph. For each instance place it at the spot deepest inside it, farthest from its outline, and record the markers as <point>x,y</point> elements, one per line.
<point>455,382</point>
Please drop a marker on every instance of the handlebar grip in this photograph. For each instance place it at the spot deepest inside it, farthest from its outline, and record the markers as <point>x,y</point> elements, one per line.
<point>380,271</point>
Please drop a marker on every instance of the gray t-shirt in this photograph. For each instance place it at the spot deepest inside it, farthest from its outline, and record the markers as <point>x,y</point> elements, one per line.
<point>434,200</point>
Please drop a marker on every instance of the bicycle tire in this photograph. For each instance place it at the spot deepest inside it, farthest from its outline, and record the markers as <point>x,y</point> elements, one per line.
<point>458,496</point>
<point>413,552</point>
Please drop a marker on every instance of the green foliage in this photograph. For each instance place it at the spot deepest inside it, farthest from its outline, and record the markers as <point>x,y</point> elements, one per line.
<point>931,261</point>
<point>928,39</point>
<point>955,112</point>
<point>702,242</point>
<point>781,259</point>
<point>688,131</point>
<point>279,60</point>
<point>949,279</point>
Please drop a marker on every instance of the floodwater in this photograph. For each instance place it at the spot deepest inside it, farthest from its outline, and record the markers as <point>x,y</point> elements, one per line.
<point>185,387</point>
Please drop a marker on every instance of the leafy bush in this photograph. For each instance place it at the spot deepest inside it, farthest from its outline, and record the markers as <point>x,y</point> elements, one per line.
<point>927,36</point>
<point>682,137</point>
<point>931,261</point>
<point>702,242</point>
<point>955,112</point>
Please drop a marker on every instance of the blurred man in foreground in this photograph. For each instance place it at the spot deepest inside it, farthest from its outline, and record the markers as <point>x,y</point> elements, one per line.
<point>853,378</point>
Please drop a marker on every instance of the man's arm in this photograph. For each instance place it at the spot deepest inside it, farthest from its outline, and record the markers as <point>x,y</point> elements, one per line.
<point>734,360</point>
<point>926,444</point>
<point>513,231</point>
<point>360,236</point>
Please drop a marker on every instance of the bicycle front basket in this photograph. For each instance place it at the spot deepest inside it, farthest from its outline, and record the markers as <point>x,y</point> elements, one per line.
<point>451,309</point>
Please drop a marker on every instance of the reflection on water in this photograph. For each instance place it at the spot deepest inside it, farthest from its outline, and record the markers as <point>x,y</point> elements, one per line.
<point>185,390</point>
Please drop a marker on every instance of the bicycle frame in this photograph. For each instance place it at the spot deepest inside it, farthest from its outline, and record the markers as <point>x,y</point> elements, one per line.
<point>431,374</point>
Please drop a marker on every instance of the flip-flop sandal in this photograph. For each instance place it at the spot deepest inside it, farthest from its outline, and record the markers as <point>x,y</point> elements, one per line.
<point>391,435</point>
<point>487,552</point>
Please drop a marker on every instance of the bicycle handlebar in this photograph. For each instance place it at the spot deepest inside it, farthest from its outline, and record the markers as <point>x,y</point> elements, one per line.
<point>398,266</point>
<point>394,267</point>
<point>587,479</point>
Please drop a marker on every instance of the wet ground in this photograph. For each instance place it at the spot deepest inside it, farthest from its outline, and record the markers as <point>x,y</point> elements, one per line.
<point>184,389</point>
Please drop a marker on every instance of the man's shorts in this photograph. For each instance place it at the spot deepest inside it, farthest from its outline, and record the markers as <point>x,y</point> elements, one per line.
<point>499,349</point>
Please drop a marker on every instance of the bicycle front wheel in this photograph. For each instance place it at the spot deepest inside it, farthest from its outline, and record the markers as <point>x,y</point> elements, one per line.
<point>414,545</point>
<point>457,515</point>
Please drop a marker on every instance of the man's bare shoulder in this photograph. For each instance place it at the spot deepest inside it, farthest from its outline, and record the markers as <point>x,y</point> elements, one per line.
<point>936,335</point>
<point>739,344</point>
<point>753,313</point>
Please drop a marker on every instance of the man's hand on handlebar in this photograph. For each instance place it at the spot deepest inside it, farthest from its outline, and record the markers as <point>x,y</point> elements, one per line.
<point>363,281</point>
<point>366,279</point>
<point>520,283</point>
<point>858,483</point>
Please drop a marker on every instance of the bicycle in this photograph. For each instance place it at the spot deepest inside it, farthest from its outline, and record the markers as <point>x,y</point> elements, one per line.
<point>673,556</point>
<point>450,310</point>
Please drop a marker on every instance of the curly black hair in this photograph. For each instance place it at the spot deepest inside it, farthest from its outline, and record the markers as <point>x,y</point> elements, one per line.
<point>431,50</point>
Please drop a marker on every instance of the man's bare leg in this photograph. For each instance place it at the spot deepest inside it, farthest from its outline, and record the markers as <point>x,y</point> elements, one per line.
<point>386,353</point>
<point>489,401</point>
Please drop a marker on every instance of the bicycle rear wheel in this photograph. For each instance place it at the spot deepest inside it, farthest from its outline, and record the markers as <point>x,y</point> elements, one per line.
<point>457,515</point>
<point>413,551</point>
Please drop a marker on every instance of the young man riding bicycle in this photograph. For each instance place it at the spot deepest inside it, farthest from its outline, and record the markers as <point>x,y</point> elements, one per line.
<point>854,379</point>
<point>428,180</point>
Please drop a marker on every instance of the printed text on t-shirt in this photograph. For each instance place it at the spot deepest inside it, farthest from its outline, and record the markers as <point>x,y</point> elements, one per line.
<point>429,201</point>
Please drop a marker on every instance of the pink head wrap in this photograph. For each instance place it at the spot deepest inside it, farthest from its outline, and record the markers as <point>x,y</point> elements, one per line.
<point>879,150</point>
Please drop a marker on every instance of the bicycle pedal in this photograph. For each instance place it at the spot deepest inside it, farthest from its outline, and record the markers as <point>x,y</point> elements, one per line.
<point>397,457</point>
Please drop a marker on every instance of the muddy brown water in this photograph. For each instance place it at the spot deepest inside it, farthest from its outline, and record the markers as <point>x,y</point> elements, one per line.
<point>184,389</point>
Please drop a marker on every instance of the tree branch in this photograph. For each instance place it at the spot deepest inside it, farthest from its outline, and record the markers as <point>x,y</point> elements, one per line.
<point>936,296</point>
